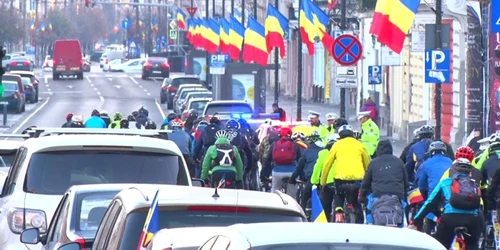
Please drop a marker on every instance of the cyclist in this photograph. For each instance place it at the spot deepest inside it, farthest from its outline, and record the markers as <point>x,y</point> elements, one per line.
<point>117,118</point>
<point>351,161</point>
<point>124,124</point>
<point>224,161</point>
<point>133,124</point>
<point>167,120</point>
<point>239,141</point>
<point>143,111</point>
<point>190,121</point>
<point>299,138</point>
<point>281,159</point>
<point>405,150</point>
<point>386,175</point>
<point>490,158</point>
<point>95,121</point>
<point>268,135</point>
<point>416,153</point>
<point>252,140</point>
<point>305,166</point>
<point>328,190</point>
<point>77,121</point>
<point>68,120</point>
<point>105,117</point>
<point>370,133</point>
<point>142,116</point>
<point>339,123</point>
<point>183,141</point>
<point>461,199</point>
<point>329,128</point>
<point>207,137</point>
<point>150,125</point>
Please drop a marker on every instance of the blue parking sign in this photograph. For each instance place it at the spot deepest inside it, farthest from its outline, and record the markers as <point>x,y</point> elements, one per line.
<point>495,16</point>
<point>437,66</point>
<point>374,74</point>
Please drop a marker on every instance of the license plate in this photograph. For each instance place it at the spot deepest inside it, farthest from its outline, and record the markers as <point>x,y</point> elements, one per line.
<point>61,68</point>
<point>74,68</point>
<point>156,72</point>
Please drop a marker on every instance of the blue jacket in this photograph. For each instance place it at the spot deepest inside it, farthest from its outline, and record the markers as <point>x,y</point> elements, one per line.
<point>431,171</point>
<point>95,122</point>
<point>440,195</point>
<point>182,140</point>
<point>305,166</point>
<point>418,149</point>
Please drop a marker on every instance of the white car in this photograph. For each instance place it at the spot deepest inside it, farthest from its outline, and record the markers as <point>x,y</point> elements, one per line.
<point>109,66</point>
<point>312,236</point>
<point>226,107</point>
<point>47,166</point>
<point>182,97</point>
<point>197,104</point>
<point>48,63</point>
<point>130,66</point>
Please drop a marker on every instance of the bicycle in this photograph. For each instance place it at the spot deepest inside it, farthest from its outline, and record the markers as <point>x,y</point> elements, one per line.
<point>349,211</point>
<point>300,193</point>
<point>459,242</point>
<point>490,237</point>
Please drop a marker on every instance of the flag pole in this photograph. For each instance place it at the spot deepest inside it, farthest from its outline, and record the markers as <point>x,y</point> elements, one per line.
<point>276,65</point>
<point>299,68</point>
<point>343,28</point>
<point>208,77</point>
<point>437,104</point>
<point>243,23</point>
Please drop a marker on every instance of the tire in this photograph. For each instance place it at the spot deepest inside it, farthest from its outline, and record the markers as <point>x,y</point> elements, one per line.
<point>80,76</point>
<point>55,76</point>
<point>36,98</point>
<point>162,101</point>
<point>144,77</point>
<point>170,105</point>
<point>24,108</point>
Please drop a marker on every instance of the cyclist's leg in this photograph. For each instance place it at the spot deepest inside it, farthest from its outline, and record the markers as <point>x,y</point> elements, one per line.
<point>353,199</point>
<point>369,218</point>
<point>306,194</point>
<point>445,231</point>
<point>339,197</point>
<point>216,177</point>
<point>475,227</point>
<point>327,194</point>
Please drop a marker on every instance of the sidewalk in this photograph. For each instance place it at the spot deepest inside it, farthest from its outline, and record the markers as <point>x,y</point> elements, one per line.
<point>290,107</point>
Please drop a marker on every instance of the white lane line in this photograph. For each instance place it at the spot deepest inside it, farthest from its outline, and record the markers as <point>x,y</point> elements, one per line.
<point>46,85</point>
<point>46,79</point>
<point>102,101</point>
<point>30,116</point>
<point>140,86</point>
<point>99,93</point>
<point>133,80</point>
<point>154,80</point>
<point>91,85</point>
<point>160,109</point>
<point>145,90</point>
<point>88,79</point>
<point>49,90</point>
<point>149,93</point>
<point>95,89</point>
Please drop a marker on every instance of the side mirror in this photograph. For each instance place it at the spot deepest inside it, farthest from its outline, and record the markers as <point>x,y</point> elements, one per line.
<point>70,246</point>
<point>197,182</point>
<point>30,236</point>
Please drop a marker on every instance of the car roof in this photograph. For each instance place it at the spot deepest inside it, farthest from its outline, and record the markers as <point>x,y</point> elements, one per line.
<point>174,76</point>
<point>258,234</point>
<point>78,189</point>
<point>11,145</point>
<point>199,99</point>
<point>171,195</point>
<point>193,89</point>
<point>22,72</point>
<point>228,102</point>
<point>19,58</point>
<point>11,75</point>
<point>64,142</point>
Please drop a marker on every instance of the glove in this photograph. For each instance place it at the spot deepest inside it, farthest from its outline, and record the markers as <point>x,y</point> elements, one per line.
<point>292,181</point>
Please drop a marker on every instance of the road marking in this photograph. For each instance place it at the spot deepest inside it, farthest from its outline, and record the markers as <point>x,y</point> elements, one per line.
<point>45,79</point>
<point>140,86</point>
<point>30,116</point>
<point>95,89</point>
<point>117,86</point>
<point>133,80</point>
<point>98,93</point>
<point>110,79</point>
<point>49,90</point>
<point>46,85</point>
<point>88,78</point>
<point>69,86</point>
<point>149,93</point>
<point>91,85</point>
<point>159,108</point>
<point>102,101</point>
<point>154,80</point>
<point>145,90</point>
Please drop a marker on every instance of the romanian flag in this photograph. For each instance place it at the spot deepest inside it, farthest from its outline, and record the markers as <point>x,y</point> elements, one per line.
<point>276,26</point>
<point>181,19</point>
<point>307,29</point>
<point>254,46</point>
<point>190,30</point>
<point>236,34</point>
<point>332,4</point>
<point>151,225</point>
<point>392,21</point>
<point>211,36</point>
<point>224,36</point>
<point>321,21</point>
<point>415,196</point>
<point>317,212</point>
<point>197,39</point>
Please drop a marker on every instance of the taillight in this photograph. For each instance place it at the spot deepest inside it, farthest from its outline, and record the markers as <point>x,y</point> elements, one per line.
<point>46,64</point>
<point>148,65</point>
<point>219,209</point>
<point>172,89</point>
<point>165,65</point>
<point>21,219</point>
<point>54,62</point>
<point>13,64</point>
<point>81,61</point>
<point>185,64</point>
<point>81,242</point>
<point>26,63</point>
<point>107,61</point>
<point>17,95</point>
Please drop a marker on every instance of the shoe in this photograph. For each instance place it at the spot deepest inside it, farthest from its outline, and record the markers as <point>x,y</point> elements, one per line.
<point>339,217</point>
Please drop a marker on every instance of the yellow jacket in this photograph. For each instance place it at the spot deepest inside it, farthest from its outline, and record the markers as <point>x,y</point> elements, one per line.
<point>351,161</point>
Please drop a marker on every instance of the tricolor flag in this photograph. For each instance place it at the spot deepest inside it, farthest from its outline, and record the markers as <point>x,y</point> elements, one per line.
<point>151,225</point>
<point>236,33</point>
<point>317,213</point>
<point>321,21</point>
<point>307,30</point>
<point>276,26</point>
<point>254,46</point>
<point>181,19</point>
<point>224,36</point>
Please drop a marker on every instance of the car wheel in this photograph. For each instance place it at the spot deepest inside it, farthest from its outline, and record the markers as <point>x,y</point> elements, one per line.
<point>144,77</point>
<point>24,107</point>
<point>55,77</point>
<point>170,105</point>
<point>80,76</point>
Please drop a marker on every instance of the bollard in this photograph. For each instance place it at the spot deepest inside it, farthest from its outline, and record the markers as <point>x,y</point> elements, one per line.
<point>4,115</point>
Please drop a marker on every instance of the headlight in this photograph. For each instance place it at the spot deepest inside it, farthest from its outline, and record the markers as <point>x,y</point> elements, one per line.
<point>21,219</point>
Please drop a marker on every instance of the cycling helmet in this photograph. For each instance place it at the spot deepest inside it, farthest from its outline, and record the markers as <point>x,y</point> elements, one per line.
<point>150,125</point>
<point>68,116</point>
<point>171,116</point>
<point>222,134</point>
<point>312,138</point>
<point>143,111</point>
<point>214,120</point>
<point>356,134</point>
<point>437,146</point>
<point>135,114</point>
<point>193,112</point>
<point>298,135</point>
<point>462,165</point>
<point>232,125</point>
<point>203,123</point>
<point>77,119</point>
<point>332,138</point>
<point>426,131</point>
<point>177,123</point>
<point>285,131</point>
<point>345,131</point>
<point>416,132</point>
<point>495,138</point>
<point>331,116</point>
<point>95,113</point>
<point>118,116</point>
<point>131,118</point>
<point>465,152</point>
<point>340,122</point>
<point>103,113</point>
<point>124,123</point>
<point>243,123</point>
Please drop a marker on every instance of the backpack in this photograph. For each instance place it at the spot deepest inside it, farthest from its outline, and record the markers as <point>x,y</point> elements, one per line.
<point>465,193</point>
<point>387,210</point>
<point>283,152</point>
<point>225,155</point>
<point>209,135</point>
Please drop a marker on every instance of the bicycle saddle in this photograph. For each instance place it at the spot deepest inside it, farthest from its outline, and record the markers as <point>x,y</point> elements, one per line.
<point>460,230</point>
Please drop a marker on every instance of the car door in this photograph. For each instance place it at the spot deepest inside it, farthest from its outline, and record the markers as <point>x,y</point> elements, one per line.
<point>132,67</point>
<point>107,225</point>
<point>56,225</point>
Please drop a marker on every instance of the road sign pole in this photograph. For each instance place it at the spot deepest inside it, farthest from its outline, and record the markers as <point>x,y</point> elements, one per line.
<point>438,90</point>
<point>208,77</point>
<point>298,117</point>
<point>276,66</point>
<point>343,28</point>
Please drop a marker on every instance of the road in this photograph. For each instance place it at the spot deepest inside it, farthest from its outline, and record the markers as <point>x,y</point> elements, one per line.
<point>113,92</point>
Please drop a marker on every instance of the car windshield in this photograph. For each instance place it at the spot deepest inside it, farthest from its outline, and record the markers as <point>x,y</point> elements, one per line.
<point>90,208</point>
<point>228,108</point>
<point>198,105</point>
<point>200,95</point>
<point>333,246</point>
<point>20,59</point>
<point>185,80</point>
<point>26,80</point>
<point>157,60</point>
<point>196,218</point>
<point>54,172</point>
<point>9,86</point>
<point>188,91</point>
<point>7,157</point>
<point>116,61</point>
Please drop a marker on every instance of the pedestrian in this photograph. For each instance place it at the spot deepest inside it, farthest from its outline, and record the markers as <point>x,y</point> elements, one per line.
<point>278,110</point>
<point>369,105</point>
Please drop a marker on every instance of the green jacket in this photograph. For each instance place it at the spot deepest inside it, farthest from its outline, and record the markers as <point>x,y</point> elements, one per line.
<point>370,136</point>
<point>318,167</point>
<point>114,124</point>
<point>325,131</point>
<point>211,155</point>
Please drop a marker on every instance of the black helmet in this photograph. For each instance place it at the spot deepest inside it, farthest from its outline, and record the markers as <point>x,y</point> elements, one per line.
<point>193,112</point>
<point>171,116</point>
<point>124,123</point>
<point>135,114</point>
<point>340,122</point>
<point>437,146</point>
<point>130,118</point>
<point>143,111</point>
<point>214,120</point>
<point>233,125</point>
<point>150,125</point>
<point>95,112</point>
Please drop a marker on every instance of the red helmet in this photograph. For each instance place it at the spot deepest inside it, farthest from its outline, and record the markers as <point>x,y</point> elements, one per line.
<point>465,152</point>
<point>69,116</point>
<point>285,131</point>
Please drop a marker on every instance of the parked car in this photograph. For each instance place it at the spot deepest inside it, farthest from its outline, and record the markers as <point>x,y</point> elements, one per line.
<point>34,80</point>
<point>48,64</point>
<point>155,67</point>
<point>170,85</point>
<point>109,56</point>
<point>192,95</point>
<point>108,66</point>
<point>130,66</point>
<point>96,55</point>
<point>21,63</point>
<point>197,104</point>
<point>6,62</point>
<point>182,97</point>
<point>67,59</point>
<point>14,92</point>
<point>86,63</point>
<point>29,90</point>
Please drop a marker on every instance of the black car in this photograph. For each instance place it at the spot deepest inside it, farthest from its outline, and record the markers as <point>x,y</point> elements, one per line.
<point>21,63</point>
<point>155,67</point>
<point>13,92</point>
<point>34,80</point>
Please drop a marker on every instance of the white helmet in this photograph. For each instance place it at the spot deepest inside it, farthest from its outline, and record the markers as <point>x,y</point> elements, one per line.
<point>331,116</point>
<point>345,128</point>
<point>495,138</point>
<point>222,134</point>
<point>103,112</point>
<point>298,135</point>
<point>333,137</point>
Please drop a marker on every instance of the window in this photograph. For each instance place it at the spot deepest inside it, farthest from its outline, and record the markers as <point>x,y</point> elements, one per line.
<point>107,225</point>
<point>208,245</point>
<point>10,182</point>
<point>134,63</point>
<point>229,108</point>
<point>60,221</point>
<point>185,80</point>
<point>333,246</point>
<point>9,86</point>
<point>196,218</point>
<point>222,243</point>
<point>52,231</point>
<point>54,172</point>
<point>90,208</point>
<point>199,105</point>
<point>188,91</point>
<point>7,157</point>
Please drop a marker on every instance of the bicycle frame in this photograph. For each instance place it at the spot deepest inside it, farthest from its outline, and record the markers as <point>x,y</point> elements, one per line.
<point>459,242</point>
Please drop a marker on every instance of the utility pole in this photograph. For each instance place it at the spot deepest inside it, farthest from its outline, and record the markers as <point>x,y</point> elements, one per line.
<point>299,73</point>
<point>438,101</point>
<point>149,39</point>
<point>255,9</point>
<point>207,72</point>
<point>223,15</point>
<point>213,8</point>
<point>232,7</point>
<point>137,28</point>
<point>343,28</point>
<point>276,63</point>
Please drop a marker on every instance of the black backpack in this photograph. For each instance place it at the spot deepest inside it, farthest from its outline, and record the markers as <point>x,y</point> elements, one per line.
<point>387,211</point>
<point>225,155</point>
<point>209,135</point>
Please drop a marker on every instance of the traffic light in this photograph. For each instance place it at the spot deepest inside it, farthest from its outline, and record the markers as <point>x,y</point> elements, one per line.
<point>87,3</point>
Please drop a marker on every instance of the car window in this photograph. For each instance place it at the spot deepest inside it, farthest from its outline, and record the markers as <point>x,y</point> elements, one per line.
<point>6,58</point>
<point>54,172</point>
<point>7,157</point>
<point>10,86</point>
<point>195,217</point>
<point>188,91</point>
<point>222,243</point>
<point>228,108</point>
<point>134,63</point>
<point>185,80</point>
<point>198,105</point>
<point>60,222</point>
<point>10,182</point>
<point>26,80</point>
<point>108,223</point>
<point>90,208</point>
<point>55,219</point>
<point>333,246</point>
